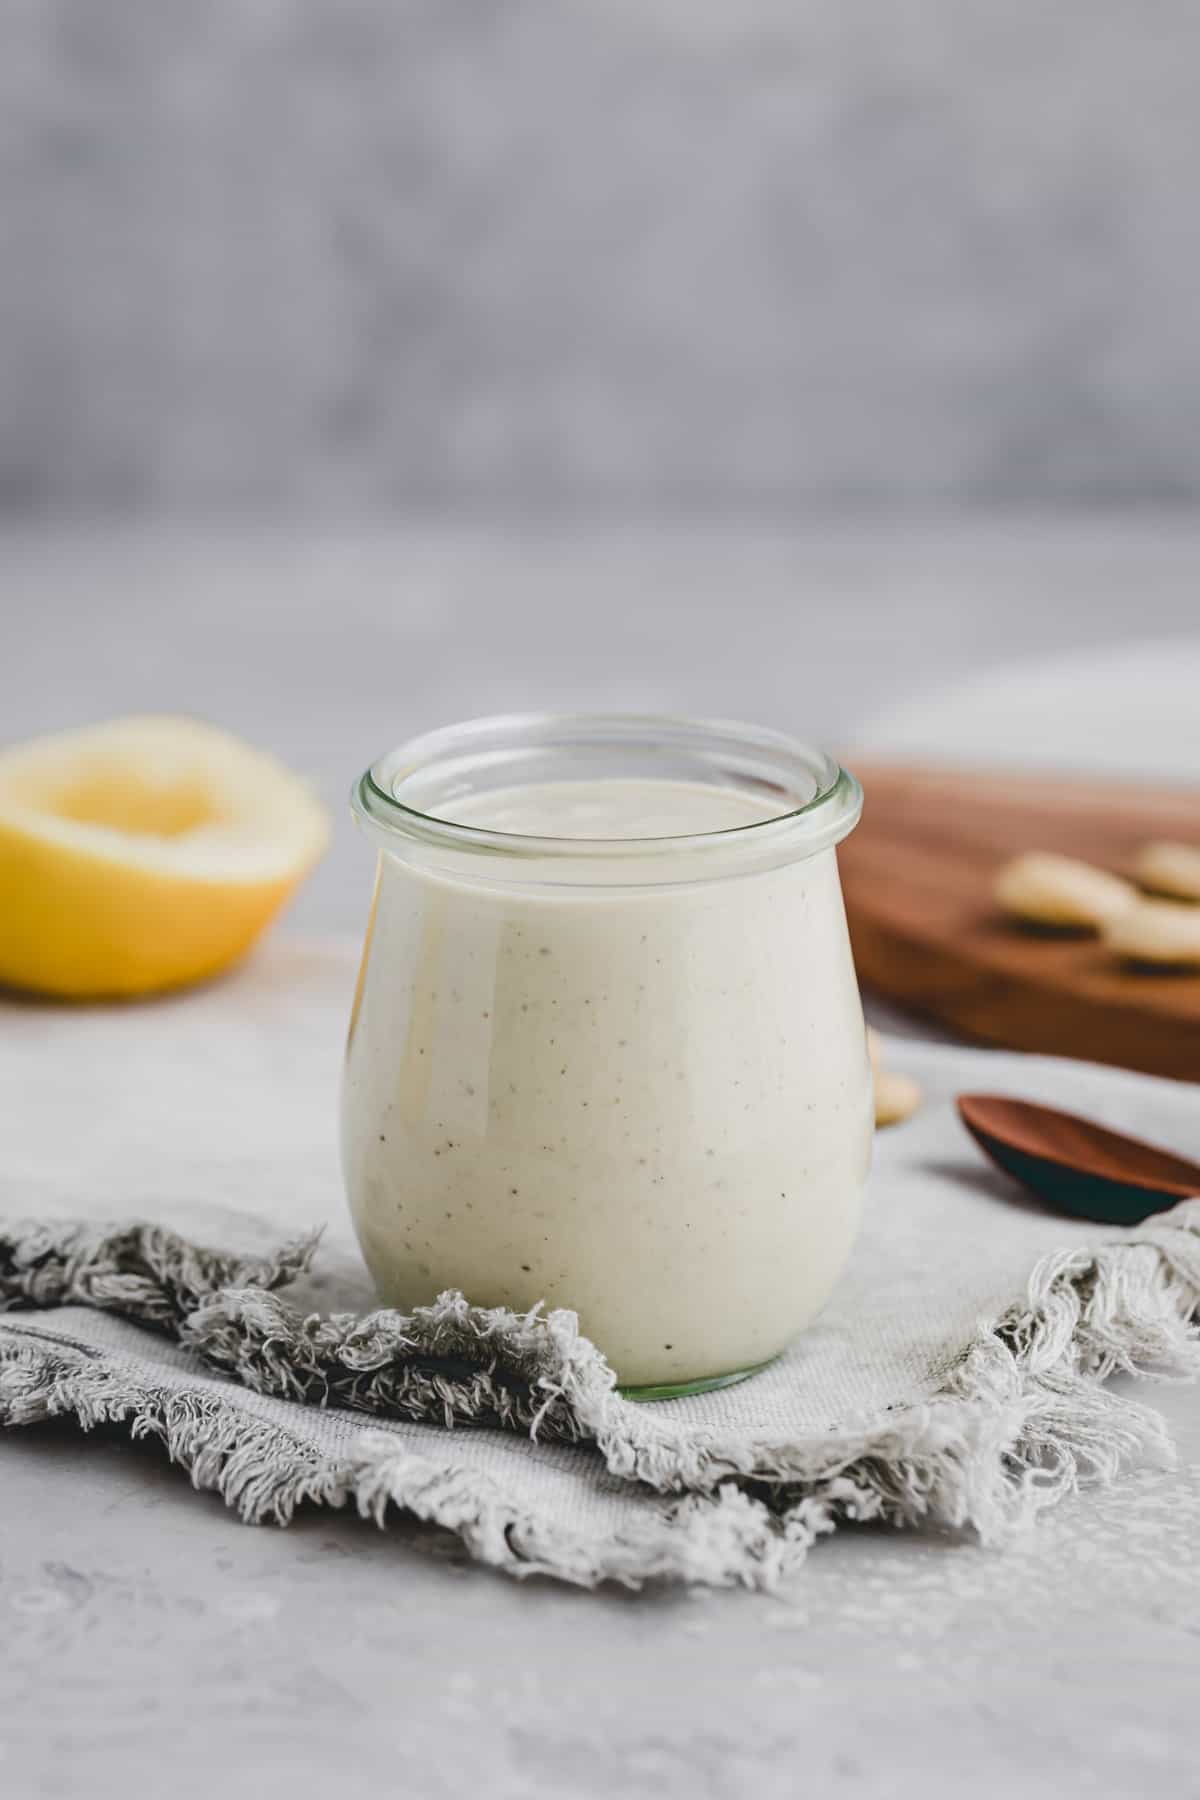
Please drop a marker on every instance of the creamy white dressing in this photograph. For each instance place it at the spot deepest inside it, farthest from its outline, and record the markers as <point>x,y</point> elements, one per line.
<point>612,808</point>
<point>650,1104</point>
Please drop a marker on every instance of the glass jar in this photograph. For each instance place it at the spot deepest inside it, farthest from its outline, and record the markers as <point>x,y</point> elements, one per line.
<point>607,1050</point>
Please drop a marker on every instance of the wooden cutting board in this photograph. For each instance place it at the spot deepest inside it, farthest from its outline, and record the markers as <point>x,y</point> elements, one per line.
<point>918,874</point>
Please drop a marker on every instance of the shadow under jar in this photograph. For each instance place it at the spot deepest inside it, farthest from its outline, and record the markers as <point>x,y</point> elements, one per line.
<point>607,1049</point>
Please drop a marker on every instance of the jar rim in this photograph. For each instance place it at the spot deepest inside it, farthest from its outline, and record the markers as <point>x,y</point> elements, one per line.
<point>773,760</point>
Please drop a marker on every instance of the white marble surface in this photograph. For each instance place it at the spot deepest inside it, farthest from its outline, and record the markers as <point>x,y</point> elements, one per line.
<point>148,1642</point>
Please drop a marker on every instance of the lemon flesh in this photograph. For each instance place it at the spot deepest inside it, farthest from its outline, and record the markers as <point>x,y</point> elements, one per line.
<point>143,854</point>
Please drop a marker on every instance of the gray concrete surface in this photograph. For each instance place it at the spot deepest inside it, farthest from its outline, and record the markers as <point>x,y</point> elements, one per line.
<point>150,1644</point>
<point>282,253</point>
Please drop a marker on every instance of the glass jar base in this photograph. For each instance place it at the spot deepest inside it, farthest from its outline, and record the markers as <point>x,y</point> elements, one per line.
<point>680,1390</point>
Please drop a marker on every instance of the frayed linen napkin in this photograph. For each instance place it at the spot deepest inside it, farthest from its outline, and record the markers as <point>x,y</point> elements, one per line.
<point>955,1380</point>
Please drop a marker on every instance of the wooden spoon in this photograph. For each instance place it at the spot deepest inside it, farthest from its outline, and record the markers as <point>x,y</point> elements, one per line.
<point>1076,1166</point>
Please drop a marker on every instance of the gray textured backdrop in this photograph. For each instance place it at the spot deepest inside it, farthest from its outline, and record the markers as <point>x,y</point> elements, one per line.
<point>298,253</point>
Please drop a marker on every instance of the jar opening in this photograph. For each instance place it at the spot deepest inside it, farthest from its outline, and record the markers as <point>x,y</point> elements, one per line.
<point>802,800</point>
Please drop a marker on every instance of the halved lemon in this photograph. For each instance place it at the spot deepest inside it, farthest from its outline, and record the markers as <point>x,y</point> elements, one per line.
<point>143,854</point>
